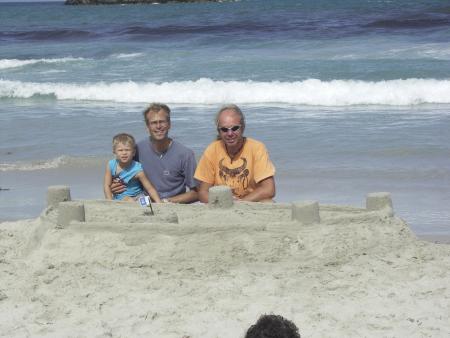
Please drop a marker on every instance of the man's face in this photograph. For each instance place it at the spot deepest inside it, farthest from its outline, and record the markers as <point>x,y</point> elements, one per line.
<point>158,125</point>
<point>230,128</point>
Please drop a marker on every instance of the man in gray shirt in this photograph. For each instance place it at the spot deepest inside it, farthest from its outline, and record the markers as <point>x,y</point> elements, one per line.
<point>168,164</point>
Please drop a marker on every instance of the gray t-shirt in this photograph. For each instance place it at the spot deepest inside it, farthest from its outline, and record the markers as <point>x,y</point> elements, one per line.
<point>171,172</point>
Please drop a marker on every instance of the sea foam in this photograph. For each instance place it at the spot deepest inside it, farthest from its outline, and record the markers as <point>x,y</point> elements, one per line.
<point>206,91</point>
<point>127,55</point>
<point>16,63</point>
<point>57,162</point>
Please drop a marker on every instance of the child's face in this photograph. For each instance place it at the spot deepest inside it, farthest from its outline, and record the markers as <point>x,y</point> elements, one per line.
<point>124,152</point>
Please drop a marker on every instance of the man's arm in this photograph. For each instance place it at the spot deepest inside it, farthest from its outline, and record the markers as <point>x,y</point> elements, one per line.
<point>148,186</point>
<point>187,197</point>
<point>189,165</point>
<point>117,188</point>
<point>264,191</point>
<point>203,191</point>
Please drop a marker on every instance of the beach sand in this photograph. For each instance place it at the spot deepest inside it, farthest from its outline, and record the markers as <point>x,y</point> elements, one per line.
<point>197,271</point>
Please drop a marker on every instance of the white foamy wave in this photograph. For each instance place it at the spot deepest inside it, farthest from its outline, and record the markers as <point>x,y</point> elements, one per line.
<point>15,63</point>
<point>206,91</point>
<point>127,55</point>
<point>58,162</point>
<point>34,165</point>
<point>437,53</point>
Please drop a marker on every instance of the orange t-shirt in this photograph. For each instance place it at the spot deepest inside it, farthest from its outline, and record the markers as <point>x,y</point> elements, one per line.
<point>249,167</point>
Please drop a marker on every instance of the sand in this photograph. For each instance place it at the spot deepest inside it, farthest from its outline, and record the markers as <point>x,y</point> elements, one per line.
<point>196,271</point>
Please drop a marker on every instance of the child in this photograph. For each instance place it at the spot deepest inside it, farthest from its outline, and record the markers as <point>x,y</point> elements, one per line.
<point>129,172</point>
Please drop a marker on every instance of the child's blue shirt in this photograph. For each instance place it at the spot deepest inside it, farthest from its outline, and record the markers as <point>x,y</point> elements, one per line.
<point>128,174</point>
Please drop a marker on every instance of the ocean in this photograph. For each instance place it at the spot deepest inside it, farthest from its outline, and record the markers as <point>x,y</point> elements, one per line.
<point>350,97</point>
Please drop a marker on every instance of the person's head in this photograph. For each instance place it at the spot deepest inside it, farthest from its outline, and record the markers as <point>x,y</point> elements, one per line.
<point>230,123</point>
<point>273,326</point>
<point>124,147</point>
<point>157,120</point>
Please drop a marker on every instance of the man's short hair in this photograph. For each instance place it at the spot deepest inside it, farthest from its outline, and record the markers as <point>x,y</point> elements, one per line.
<point>124,139</point>
<point>273,326</point>
<point>156,107</point>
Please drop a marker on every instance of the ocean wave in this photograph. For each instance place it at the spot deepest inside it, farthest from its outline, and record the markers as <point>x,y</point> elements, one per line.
<point>15,63</point>
<point>58,162</point>
<point>127,55</point>
<point>207,91</point>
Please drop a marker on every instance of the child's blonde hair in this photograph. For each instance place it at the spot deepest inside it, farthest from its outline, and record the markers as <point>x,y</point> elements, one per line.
<point>124,139</point>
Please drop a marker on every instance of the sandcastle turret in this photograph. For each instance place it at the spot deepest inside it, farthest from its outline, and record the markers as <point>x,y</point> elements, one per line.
<point>220,197</point>
<point>306,212</point>
<point>380,201</point>
<point>70,211</point>
<point>57,194</point>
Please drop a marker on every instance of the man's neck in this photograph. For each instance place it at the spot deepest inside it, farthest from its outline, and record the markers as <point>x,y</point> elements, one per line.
<point>233,151</point>
<point>161,146</point>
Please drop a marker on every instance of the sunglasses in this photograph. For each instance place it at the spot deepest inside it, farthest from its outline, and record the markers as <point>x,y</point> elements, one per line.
<point>233,129</point>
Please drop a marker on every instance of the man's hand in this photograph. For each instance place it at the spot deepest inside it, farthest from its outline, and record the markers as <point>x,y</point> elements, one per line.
<point>117,187</point>
<point>186,197</point>
<point>264,191</point>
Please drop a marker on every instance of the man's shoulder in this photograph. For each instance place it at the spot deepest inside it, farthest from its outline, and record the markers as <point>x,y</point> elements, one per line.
<point>142,147</point>
<point>250,142</point>
<point>181,148</point>
<point>214,147</point>
<point>143,142</point>
<point>214,144</point>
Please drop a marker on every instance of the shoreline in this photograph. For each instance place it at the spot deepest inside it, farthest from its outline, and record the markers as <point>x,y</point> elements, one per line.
<point>435,238</point>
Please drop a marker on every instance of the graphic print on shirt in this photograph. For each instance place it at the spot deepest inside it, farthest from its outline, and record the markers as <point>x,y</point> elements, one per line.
<point>235,178</point>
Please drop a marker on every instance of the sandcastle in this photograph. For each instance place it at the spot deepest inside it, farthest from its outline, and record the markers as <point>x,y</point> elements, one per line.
<point>105,268</point>
<point>221,201</point>
<point>301,225</point>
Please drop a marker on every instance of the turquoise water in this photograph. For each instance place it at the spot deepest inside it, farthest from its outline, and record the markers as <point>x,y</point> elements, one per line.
<point>350,97</point>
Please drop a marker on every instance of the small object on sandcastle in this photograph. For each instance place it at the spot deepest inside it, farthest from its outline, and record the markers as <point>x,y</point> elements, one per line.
<point>70,211</point>
<point>306,212</point>
<point>57,194</point>
<point>145,201</point>
<point>380,201</point>
<point>220,196</point>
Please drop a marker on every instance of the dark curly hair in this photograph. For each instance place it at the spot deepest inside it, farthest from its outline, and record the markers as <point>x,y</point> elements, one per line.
<point>273,326</point>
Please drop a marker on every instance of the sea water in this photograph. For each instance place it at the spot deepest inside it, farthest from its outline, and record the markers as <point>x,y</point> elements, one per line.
<point>350,97</point>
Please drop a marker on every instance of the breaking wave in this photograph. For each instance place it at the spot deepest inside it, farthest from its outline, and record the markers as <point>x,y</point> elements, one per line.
<point>58,162</point>
<point>206,91</point>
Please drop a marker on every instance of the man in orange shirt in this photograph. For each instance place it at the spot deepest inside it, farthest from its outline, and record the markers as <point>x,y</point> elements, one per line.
<point>236,161</point>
